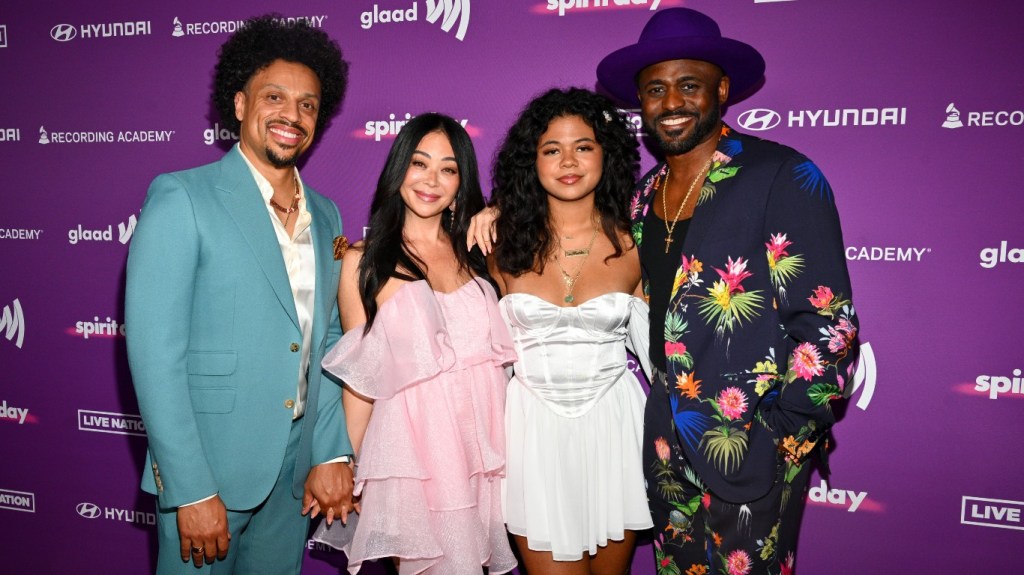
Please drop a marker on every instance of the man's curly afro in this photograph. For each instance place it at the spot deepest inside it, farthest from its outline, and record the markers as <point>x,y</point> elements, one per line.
<point>262,41</point>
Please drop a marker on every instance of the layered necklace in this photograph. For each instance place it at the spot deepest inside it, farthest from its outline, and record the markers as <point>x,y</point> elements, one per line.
<point>295,202</point>
<point>669,228</point>
<point>570,279</point>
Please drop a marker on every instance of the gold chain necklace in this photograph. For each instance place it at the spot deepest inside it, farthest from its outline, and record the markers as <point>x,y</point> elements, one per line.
<point>295,202</point>
<point>664,202</point>
<point>570,280</point>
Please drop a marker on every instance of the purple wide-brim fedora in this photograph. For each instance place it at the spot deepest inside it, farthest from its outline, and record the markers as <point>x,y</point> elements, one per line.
<point>680,34</point>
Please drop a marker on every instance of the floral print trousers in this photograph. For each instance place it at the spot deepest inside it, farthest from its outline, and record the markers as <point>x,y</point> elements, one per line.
<point>695,532</point>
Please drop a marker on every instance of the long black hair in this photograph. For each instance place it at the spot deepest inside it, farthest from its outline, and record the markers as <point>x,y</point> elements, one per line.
<point>385,254</point>
<point>524,231</point>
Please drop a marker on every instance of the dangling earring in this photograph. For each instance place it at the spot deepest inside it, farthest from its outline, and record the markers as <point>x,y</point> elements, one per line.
<point>451,221</point>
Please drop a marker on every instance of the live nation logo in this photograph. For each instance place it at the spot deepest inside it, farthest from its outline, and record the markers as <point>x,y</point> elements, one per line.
<point>111,422</point>
<point>17,500</point>
<point>991,512</point>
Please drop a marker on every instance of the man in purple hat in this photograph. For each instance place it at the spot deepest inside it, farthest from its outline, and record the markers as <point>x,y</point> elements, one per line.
<point>752,329</point>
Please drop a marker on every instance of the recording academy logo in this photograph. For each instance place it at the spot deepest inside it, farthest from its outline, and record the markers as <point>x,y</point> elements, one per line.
<point>563,6</point>
<point>20,234</point>
<point>111,422</point>
<point>761,119</point>
<point>952,117</point>
<point>89,510</point>
<point>990,257</point>
<point>886,253</point>
<point>986,119</point>
<point>17,500</point>
<point>12,323</point>
<point>864,377</point>
<point>378,129</point>
<point>180,29</point>
<point>68,32</point>
<point>124,232</point>
<point>984,512</point>
<point>105,137</point>
<point>444,12</point>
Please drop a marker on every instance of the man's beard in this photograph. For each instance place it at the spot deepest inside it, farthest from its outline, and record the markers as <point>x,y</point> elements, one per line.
<point>704,127</point>
<point>277,160</point>
<point>280,161</point>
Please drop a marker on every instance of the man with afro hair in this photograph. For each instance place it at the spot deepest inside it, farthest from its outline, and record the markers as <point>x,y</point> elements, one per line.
<point>232,293</point>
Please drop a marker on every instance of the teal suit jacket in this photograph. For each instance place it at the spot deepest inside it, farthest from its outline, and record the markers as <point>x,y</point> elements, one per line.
<point>211,324</point>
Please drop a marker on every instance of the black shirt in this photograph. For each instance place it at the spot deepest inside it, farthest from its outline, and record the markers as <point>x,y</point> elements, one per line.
<point>660,269</point>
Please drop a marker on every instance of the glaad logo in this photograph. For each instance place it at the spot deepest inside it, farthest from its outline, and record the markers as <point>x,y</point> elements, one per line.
<point>217,133</point>
<point>886,254</point>
<point>12,322</point>
<point>447,11</point>
<point>992,256</point>
<point>565,5</point>
<point>822,494</point>
<point>18,500</point>
<point>759,119</point>
<point>451,10</point>
<point>88,510</point>
<point>67,32</point>
<point>991,512</point>
<point>63,32</point>
<point>124,233</point>
<point>864,376</point>
<point>92,511</point>
<point>111,422</point>
<point>983,119</point>
<point>996,384</point>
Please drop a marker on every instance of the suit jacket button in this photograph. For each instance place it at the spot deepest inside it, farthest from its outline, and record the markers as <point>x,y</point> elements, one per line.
<point>295,347</point>
<point>289,403</point>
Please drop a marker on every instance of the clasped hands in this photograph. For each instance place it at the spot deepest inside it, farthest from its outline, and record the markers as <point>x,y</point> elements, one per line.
<point>328,490</point>
<point>203,527</point>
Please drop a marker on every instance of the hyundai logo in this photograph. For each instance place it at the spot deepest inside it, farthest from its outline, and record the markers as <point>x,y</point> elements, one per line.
<point>759,119</point>
<point>63,32</point>
<point>88,510</point>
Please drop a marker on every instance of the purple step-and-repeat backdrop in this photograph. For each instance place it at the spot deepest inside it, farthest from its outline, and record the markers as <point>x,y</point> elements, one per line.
<point>913,109</point>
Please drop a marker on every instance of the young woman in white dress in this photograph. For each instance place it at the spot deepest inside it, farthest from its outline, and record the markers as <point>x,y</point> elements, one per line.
<point>574,492</point>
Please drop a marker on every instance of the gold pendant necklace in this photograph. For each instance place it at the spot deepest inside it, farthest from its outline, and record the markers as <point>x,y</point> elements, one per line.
<point>664,202</point>
<point>570,280</point>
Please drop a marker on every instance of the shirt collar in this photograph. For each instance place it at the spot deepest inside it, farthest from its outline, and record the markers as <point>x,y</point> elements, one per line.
<point>267,190</point>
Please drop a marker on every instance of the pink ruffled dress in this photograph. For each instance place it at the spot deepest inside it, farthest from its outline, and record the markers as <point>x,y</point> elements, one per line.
<point>434,451</point>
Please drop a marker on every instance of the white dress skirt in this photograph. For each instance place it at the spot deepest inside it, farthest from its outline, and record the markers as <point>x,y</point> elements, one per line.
<point>574,423</point>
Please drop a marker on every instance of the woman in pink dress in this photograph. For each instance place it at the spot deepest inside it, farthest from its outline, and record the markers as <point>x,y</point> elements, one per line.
<point>422,362</point>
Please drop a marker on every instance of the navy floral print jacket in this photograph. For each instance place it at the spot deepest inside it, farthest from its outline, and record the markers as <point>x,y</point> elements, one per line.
<point>760,333</point>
